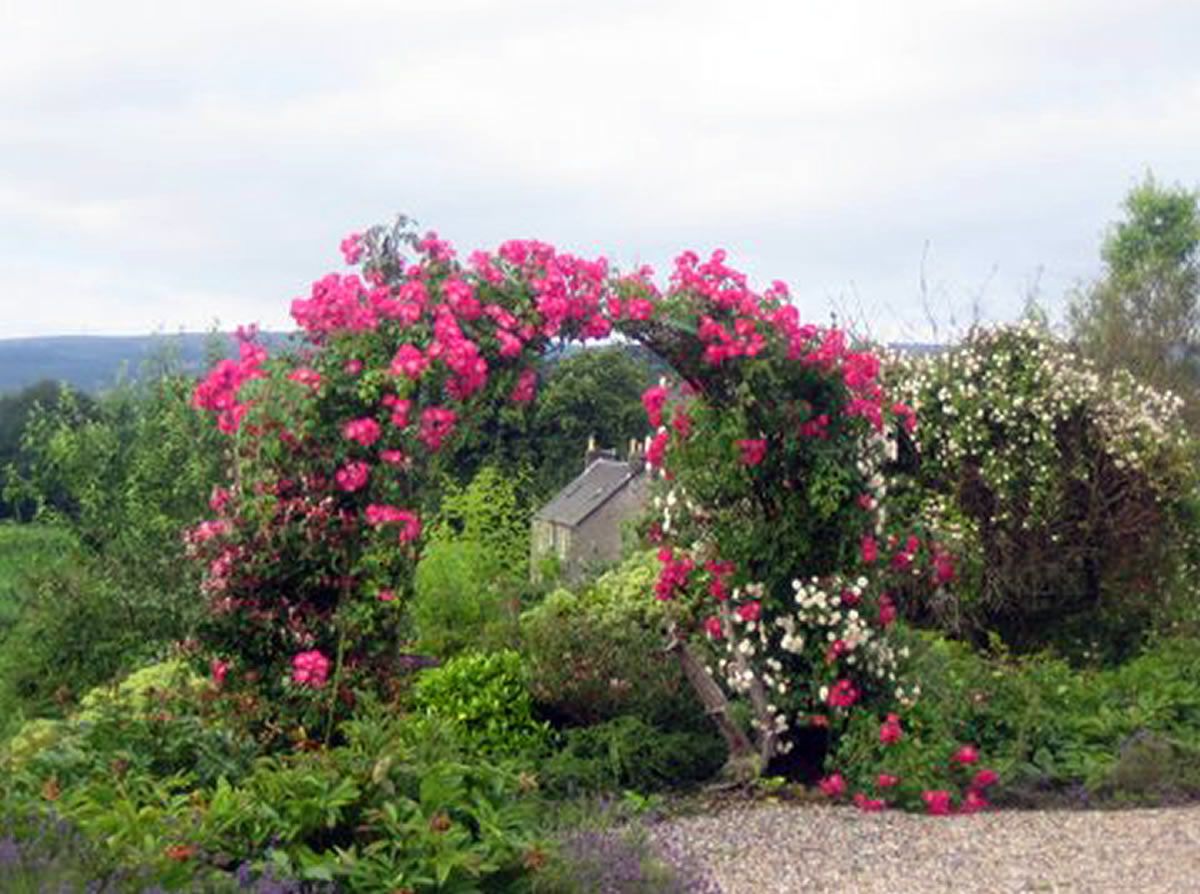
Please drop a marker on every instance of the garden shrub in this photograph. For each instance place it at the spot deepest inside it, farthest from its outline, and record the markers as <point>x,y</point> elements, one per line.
<point>485,696</point>
<point>474,569</point>
<point>1065,498</point>
<point>598,653</point>
<point>626,753</point>
<point>132,472</point>
<point>78,628</point>
<point>1051,733</point>
<point>456,605</point>
<point>392,807</point>
<point>119,477</point>
<point>155,722</point>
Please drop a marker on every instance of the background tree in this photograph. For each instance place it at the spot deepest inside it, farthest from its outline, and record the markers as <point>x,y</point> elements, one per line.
<point>1143,314</point>
<point>591,393</point>
<point>16,410</point>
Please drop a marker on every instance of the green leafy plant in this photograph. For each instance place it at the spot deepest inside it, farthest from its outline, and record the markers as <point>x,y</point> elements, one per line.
<point>486,697</point>
<point>598,653</point>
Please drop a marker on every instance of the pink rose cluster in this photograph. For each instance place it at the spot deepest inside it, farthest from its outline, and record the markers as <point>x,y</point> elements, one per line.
<point>310,669</point>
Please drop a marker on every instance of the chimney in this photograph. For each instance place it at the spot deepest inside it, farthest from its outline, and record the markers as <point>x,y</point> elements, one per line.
<point>637,457</point>
<point>594,453</point>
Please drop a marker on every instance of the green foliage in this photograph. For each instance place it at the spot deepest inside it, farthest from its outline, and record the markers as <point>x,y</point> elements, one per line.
<point>155,722</point>
<point>475,567</point>
<point>24,551</point>
<point>134,470</point>
<point>594,393</point>
<point>1144,313</point>
<point>15,413</point>
<point>628,753</point>
<point>1067,499</point>
<point>1048,729</point>
<point>121,477</point>
<point>394,807</point>
<point>598,653</point>
<point>77,628</point>
<point>485,696</point>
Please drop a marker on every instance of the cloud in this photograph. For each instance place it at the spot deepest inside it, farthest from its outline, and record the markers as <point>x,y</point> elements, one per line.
<point>217,154</point>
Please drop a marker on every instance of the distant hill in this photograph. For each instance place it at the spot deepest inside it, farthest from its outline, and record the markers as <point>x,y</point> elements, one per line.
<point>94,363</point>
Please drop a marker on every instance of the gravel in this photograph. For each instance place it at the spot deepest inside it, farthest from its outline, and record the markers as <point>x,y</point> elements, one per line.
<point>817,848</point>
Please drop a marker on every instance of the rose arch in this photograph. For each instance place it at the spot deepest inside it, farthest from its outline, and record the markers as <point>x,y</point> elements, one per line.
<point>769,445</point>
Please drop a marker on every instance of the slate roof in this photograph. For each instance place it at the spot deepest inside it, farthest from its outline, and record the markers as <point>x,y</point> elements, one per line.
<point>587,493</point>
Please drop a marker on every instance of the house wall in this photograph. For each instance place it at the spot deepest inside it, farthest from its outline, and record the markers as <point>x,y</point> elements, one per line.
<point>597,539</point>
<point>548,539</point>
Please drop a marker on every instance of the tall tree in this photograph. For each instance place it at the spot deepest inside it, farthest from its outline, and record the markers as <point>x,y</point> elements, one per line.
<point>1143,314</point>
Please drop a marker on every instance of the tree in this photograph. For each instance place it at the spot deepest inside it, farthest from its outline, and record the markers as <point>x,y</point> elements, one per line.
<point>15,412</point>
<point>1143,314</point>
<point>592,393</point>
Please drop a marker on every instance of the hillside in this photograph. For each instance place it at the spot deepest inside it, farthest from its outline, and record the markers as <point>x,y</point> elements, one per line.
<point>95,362</point>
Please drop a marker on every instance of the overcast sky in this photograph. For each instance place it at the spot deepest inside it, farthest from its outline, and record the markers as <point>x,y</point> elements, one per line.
<point>171,164</point>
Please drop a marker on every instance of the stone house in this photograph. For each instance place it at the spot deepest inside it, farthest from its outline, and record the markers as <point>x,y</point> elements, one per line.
<point>582,525</point>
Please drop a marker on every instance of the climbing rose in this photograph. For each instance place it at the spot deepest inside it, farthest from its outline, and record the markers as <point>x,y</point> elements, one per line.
<point>653,399</point>
<point>750,611</point>
<point>657,449</point>
<point>973,801</point>
<point>409,362</point>
<point>868,805</point>
<point>352,248</point>
<point>937,802</point>
<point>392,457</point>
<point>984,778</point>
<point>870,551</point>
<point>310,669</point>
<point>410,525</point>
<point>712,626</point>
<point>887,611</point>
<point>843,694</point>
<point>885,780</point>
<point>889,731</point>
<point>753,451</point>
<point>437,424</point>
<point>365,431</point>
<point>352,476</point>
<point>968,754</point>
<point>307,377</point>
<point>526,388</point>
<point>833,785</point>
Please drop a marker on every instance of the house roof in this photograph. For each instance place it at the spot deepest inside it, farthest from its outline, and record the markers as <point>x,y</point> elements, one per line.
<point>592,489</point>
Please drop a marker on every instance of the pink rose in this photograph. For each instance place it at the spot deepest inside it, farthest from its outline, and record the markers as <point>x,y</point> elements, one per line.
<point>310,669</point>
<point>968,754</point>
<point>365,431</point>
<point>833,785</point>
<point>889,731</point>
<point>937,802</point>
<point>753,451</point>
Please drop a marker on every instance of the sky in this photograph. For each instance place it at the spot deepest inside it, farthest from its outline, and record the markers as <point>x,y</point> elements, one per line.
<point>909,167</point>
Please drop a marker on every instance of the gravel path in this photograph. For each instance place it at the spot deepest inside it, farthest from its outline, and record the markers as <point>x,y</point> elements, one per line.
<point>770,848</point>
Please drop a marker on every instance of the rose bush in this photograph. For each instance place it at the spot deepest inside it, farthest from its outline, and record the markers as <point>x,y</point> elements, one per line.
<point>1067,498</point>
